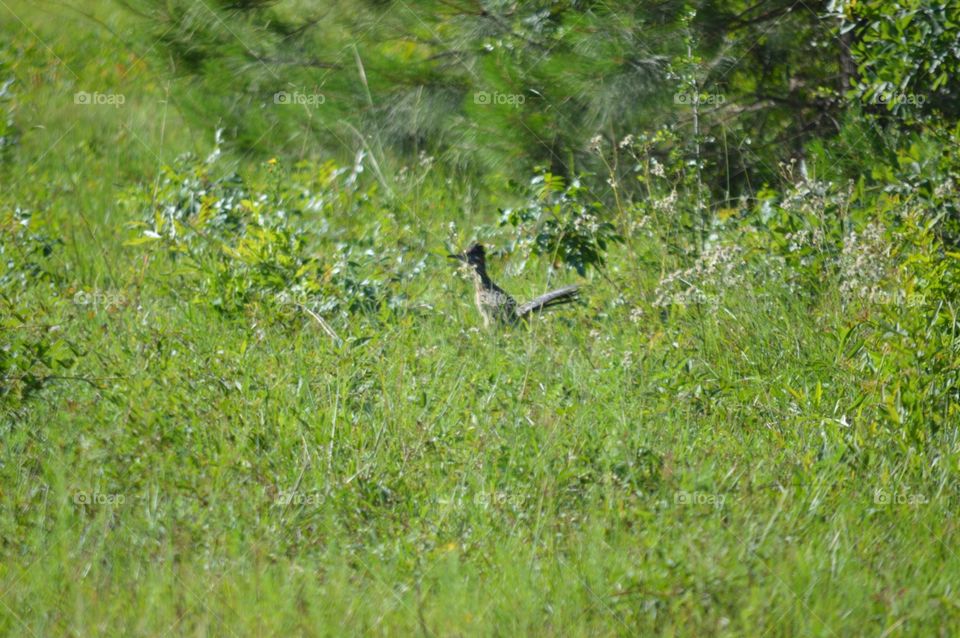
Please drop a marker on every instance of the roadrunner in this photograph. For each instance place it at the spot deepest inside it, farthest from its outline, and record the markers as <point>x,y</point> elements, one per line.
<point>494,304</point>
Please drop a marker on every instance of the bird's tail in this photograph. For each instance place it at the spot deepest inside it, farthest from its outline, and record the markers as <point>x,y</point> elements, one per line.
<point>556,298</point>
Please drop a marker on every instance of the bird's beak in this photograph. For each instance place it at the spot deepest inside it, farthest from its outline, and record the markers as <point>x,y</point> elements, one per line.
<point>457,257</point>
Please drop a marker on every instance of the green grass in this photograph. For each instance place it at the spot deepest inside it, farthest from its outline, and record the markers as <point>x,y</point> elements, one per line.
<point>184,471</point>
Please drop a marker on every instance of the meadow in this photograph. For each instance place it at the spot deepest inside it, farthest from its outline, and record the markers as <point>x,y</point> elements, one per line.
<point>246,393</point>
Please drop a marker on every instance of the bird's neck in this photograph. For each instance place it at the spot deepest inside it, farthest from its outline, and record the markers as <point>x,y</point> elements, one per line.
<point>483,279</point>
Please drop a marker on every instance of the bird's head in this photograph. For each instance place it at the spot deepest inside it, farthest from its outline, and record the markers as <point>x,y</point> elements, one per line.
<point>474,256</point>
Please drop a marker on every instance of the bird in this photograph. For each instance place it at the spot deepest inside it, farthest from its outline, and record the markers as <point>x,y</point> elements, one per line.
<point>493,302</point>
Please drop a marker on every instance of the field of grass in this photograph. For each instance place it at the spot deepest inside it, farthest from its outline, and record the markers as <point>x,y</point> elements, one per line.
<point>184,454</point>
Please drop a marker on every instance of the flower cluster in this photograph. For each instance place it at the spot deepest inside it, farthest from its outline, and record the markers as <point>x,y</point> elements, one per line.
<point>718,268</point>
<point>666,204</point>
<point>864,262</point>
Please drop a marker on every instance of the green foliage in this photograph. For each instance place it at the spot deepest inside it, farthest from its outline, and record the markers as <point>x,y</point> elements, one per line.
<point>907,54</point>
<point>562,222</point>
<point>244,242</point>
<point>24,251</point>
<point>749,426</point>
<point>8,130</point>
<point>927,168</point>
<point>31,355</point>
<point>31,350</point>
<point>803,229</point>
<point>498,89</point>
<point>911,345</point>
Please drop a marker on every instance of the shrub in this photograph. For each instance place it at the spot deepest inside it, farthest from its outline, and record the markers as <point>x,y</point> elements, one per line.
<point>259,239</point>
<point>562,222</point>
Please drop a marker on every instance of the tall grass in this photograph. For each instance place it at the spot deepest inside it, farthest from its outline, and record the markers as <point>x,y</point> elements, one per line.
<point>746,448</point>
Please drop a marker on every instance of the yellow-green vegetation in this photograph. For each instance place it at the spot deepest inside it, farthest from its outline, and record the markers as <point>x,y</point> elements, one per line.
<point>245,393</point>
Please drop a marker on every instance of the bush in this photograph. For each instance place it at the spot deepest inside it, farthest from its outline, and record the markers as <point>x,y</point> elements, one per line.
<point>562,222</point>
<point>259,240</point>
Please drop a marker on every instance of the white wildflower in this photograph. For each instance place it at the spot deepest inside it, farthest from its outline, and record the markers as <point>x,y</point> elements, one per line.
<point>864,262</point>
<point>656,168</point>
<point>717,269</point>
<point>667,203</point>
